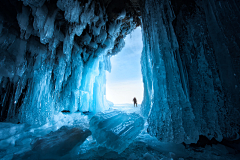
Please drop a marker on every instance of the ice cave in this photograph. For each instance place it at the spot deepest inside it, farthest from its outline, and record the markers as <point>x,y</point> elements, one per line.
<point>54,55</point>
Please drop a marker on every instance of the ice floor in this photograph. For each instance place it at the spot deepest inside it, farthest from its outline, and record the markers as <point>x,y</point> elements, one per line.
<point>128,108</point>
<point>119,133</point>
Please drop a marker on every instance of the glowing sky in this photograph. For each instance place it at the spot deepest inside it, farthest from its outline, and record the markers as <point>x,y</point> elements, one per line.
<point>125,80</point>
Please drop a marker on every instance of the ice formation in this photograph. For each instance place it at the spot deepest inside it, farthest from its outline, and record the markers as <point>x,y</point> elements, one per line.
<point>170,117</point>
<point>55,144</point>
<point>54,56</point>
<point>190,67</point>
<point>19,139</point>
<point>8,129</point>
<point>115,130</point>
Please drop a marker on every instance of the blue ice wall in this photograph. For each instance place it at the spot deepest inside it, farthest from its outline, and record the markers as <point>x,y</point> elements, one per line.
<point>190,67</point>
<point>54,55</point>
<point>169,111</point>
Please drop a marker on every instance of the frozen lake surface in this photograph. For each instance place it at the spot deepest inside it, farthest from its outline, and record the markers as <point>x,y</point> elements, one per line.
<point>128,108</point>
<point>117,133</point>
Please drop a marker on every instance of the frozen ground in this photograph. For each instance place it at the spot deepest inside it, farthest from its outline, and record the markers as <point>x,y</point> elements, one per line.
<point>68,138</point>
<point>128,108</point>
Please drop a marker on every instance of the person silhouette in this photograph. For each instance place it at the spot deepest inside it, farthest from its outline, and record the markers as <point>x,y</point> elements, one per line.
<point>135,101</point>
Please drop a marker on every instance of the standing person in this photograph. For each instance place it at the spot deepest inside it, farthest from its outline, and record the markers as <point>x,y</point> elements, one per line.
<point>135,101</point>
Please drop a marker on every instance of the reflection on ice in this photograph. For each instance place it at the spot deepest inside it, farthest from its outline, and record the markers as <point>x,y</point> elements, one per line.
<point>9,129</point>
<point>16,138</point>
<point>56,144</point>
<point>115,130</point>
<point>119,133</point>
<point>128,108</point>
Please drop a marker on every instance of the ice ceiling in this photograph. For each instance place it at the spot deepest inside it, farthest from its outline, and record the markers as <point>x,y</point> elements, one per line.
<point>54,56</point>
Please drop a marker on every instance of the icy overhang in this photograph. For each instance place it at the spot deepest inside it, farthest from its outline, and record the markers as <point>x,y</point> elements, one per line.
<point>54,54</point>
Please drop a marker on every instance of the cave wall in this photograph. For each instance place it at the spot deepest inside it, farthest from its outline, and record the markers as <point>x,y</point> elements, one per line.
<point>211,40</point>
<point>191,69</point>
<point>54,55</point>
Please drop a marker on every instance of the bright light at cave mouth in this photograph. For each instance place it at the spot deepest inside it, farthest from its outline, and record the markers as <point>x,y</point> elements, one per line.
<point>125,80</point>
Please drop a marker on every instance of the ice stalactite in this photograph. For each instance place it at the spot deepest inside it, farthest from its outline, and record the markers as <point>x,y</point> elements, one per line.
<point>189,69</point>
<point>54,55</point>
<point>209,48</point>
<point>171,117</point>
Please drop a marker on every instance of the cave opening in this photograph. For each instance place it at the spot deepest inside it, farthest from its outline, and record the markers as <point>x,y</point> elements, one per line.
<point>54,57</point>
<point>124,82</point>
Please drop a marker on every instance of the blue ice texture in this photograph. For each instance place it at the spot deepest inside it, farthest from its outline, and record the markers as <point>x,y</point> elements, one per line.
<point>115,130</point>
<point>64,70</point>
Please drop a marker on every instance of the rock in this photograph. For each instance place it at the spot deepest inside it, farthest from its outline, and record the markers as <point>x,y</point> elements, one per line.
<point>65,111</point>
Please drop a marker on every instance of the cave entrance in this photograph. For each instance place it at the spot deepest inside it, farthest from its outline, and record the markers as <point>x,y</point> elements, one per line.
<point>125,80</point>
